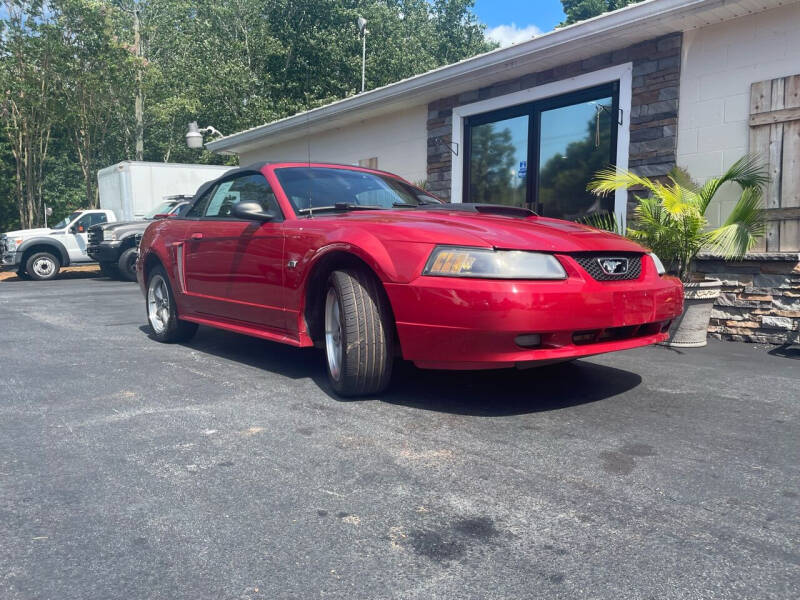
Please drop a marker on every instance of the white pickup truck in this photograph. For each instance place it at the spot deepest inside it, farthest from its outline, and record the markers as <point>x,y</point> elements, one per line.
<point>40,253</point>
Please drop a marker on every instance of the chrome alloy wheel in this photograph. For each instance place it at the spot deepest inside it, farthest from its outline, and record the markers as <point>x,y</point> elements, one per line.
<point>333,334</point>
<point>158,304</point>
<point>44,267</point>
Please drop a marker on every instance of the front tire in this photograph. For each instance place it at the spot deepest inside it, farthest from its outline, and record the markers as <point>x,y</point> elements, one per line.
<point>359,340</point>
<point>42,266</point>
<point>162,313</point>
<point>127,264</point>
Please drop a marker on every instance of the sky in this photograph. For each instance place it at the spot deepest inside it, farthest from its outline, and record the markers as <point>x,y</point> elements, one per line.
<point>512,21</point>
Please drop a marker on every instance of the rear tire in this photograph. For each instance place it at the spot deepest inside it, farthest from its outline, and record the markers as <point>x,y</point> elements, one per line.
<point>162,313</point>
<point>42,266</point>
<point>127,264</point>
<point>359,334</point>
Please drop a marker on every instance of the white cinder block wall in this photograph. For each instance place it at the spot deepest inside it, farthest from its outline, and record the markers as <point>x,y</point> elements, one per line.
<point>719,64</point>
<point>399,141</point>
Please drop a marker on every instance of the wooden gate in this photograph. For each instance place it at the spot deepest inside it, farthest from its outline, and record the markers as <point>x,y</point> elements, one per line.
<point>775,136</point>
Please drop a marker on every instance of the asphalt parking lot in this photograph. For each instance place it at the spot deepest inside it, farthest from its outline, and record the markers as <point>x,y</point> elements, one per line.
<point>224,468</point>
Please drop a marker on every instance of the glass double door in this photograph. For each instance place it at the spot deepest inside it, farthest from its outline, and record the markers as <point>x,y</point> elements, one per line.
<point>541,155</point>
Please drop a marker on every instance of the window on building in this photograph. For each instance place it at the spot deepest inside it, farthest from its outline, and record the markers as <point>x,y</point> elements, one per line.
<point>542,154</point>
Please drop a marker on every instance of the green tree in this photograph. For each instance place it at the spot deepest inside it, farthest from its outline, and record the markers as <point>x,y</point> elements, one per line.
<point>492,171</point>
<point>29,51</point>
<point>96,75</point>
<point>88,83</point>
<point>580,10</point>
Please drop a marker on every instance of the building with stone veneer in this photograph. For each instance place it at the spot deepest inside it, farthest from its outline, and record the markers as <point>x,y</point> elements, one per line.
<point>654,85</point>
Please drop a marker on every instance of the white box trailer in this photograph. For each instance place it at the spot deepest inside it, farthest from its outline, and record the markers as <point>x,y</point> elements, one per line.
<point>131,189</point>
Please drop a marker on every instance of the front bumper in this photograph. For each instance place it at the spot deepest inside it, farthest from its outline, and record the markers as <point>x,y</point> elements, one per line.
<point>451,323</point>
<point>10,260</point>
<point>104,251</point>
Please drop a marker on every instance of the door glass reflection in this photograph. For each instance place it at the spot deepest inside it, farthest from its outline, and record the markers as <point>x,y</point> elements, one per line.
<point>575,143</point>
<point>499,161</point>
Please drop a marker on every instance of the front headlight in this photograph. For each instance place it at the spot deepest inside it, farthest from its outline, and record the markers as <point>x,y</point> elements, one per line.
<point>11,244</point>
<point>451,261</point>
<point>109,235</point>
<point>657,261</point>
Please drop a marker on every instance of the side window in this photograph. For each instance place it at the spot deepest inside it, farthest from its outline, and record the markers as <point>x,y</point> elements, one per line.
<point>222,200</point>
<point>86,221</point>
<point>198,209</point>
<point>245,188</point>
<point>254,188</point>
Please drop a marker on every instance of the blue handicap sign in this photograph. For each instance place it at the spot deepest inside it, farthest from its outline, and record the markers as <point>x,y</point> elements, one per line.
<point>523,168</point>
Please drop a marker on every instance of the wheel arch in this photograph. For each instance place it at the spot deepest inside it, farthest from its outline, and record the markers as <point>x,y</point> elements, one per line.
<point>127,241</point>
<point>28,247</point>
<point>314,288</point>
<point>151,261</point>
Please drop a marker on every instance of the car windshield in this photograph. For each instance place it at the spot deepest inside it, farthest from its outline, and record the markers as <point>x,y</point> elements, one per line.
<point>328,188</point>
<point>67,220</point>
<point>161,209</point>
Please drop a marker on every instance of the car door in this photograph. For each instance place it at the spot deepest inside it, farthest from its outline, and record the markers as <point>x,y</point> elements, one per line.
<point>234,268</point>
<point>76,235</point>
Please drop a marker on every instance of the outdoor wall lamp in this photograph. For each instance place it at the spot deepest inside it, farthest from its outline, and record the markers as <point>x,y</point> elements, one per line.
<point>194,137</point>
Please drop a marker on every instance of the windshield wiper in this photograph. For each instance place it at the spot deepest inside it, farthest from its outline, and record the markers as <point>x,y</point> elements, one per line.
<point>343,206</point>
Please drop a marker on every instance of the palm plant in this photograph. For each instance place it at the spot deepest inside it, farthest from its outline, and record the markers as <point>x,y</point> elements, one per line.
<point>671,218</point>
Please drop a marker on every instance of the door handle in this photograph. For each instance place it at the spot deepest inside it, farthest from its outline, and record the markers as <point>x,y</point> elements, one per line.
<point>197,236</point>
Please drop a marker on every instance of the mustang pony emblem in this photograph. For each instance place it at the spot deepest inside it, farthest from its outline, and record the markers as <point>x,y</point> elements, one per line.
<point>613,266</point>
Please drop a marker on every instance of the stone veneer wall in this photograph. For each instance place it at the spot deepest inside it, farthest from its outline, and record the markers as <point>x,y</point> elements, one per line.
<point>653,118</point>
<point>760,300</point>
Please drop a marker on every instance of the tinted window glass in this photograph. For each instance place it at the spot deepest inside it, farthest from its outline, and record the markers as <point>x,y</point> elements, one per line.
<point>218,202</point>
<point>161,209</point>
<point>198,209</point>
<point>498,161</point>
<point>222,200</point>
<point>321,187</point>
<point>86,221</point>
<point>254,188</point>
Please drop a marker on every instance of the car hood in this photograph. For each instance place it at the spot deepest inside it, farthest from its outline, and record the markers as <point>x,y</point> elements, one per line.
<point>125,226</point>
<point>503,232</point>
<point>28,233</point>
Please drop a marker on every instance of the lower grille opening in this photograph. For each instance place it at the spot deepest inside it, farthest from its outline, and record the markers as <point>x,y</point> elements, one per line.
<point>594,336</point>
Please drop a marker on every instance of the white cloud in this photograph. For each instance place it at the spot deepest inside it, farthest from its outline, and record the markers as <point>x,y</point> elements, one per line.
<point>506,35</point>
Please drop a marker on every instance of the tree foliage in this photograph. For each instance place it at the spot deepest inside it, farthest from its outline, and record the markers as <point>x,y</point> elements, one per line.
<point>580,10</point>
<point>71,72</point>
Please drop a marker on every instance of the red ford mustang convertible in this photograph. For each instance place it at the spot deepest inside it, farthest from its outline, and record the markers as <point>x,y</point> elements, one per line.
<point>368,267</point>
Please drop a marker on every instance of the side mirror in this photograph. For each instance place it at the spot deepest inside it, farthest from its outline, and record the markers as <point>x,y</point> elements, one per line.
<point>251,211</point>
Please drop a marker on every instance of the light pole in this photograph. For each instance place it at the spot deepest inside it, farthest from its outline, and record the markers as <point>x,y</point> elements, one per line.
<point>362,29</point>
<point>194,137</point>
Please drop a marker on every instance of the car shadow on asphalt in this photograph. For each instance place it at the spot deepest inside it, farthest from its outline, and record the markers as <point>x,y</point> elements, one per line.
<point>477,393</point>
<point>67,273</point>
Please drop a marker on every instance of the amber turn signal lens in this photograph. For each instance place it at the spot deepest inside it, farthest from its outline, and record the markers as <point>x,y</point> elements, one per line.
<point>451,262</point>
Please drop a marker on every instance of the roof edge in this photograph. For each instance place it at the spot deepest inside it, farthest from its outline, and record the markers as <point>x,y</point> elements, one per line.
<point>630,16</point>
